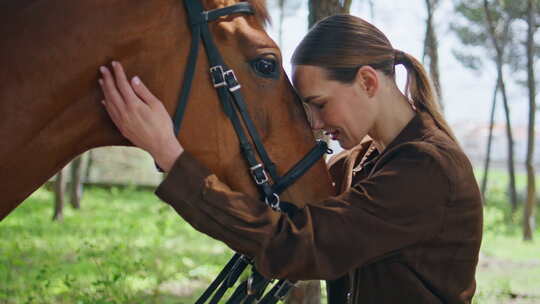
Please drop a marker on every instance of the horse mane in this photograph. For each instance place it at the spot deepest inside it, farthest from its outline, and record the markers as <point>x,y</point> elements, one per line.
<point>261,11</point>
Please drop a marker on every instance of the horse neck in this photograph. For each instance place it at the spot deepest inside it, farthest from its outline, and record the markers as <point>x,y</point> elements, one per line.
<point>49,97</point>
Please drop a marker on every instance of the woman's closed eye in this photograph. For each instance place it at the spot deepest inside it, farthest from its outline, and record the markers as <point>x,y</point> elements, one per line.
<point>319,104</point>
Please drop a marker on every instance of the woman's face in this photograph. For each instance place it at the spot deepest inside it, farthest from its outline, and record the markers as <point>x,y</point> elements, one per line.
<point>345,111</point>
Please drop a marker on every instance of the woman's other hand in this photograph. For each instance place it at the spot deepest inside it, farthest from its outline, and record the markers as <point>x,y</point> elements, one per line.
<point>139,115</point>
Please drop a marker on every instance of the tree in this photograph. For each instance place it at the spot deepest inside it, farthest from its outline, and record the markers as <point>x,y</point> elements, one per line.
<point>485,22</point>
<point>76,184</point>
<point>499,59</point>
<point>76,168</point>
<point>490,139</point>
<point>529,209</point>
<point>59,190</point>
<point>431,48</point>
<point>320,9</point>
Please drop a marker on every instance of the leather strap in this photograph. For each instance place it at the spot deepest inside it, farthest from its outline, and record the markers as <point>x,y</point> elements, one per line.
<point>277,293</point>
<point>219,279</point>
<point>197,16</point>
<point>235,108</point>
<point>302,166</point>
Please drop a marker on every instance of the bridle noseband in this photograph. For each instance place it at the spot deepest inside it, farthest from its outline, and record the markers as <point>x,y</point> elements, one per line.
<point>263,173</point>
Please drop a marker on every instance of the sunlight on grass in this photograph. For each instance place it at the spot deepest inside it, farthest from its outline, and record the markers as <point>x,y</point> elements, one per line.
<point>122,246</point>
<point>125,246</point>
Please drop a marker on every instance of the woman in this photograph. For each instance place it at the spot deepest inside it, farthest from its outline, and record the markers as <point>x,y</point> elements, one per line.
<point>407,224</point>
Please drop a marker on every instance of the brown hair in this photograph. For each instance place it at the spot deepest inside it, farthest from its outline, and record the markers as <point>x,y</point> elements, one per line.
<point>341,44</point>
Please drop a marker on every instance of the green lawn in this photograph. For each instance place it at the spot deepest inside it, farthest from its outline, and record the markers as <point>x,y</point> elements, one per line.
<point>125,246</point>
<point>509,269</point>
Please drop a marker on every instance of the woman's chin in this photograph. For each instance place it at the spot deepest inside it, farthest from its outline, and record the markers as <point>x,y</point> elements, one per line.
<point>344,144</point>
<point>347,144</point>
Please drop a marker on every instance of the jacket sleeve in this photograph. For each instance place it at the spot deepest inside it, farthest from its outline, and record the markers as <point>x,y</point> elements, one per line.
<point>399,205</point>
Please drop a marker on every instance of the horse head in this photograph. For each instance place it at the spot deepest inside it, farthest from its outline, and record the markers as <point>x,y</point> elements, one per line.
<point>49,97</point>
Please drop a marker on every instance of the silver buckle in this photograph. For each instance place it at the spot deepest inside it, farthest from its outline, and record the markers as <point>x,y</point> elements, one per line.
<point>250,290</point>
<point>237,85</point>
<point>215,71</point>
<point>275,204</point>
<point>265,178</point>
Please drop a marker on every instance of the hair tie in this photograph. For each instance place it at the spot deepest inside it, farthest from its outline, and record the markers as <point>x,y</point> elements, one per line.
<point>400,58</point>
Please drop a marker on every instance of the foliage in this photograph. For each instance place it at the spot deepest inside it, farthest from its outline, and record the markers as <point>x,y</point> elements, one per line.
<point>125,246</point>
<point>471,28</point>
<point>509,269</point>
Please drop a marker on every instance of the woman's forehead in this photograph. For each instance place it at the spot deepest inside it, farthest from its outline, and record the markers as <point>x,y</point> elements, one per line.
<point>308,73</point>
<point>309,79</point>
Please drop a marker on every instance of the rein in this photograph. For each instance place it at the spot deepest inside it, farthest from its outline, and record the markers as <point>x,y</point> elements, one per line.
<point>264,174</point>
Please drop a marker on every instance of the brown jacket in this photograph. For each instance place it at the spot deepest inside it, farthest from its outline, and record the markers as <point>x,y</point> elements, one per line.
<point>405,229</point>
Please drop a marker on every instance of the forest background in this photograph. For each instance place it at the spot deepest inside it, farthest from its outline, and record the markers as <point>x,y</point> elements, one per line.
<point>481,55</point>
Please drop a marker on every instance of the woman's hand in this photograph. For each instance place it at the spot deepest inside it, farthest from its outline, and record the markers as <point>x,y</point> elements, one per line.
<point>139,115</point>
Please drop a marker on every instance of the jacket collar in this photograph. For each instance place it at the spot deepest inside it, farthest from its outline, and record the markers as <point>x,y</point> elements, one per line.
<point>417,128</point>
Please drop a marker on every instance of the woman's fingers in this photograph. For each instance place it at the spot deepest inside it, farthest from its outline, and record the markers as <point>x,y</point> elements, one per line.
<point>112,95</point>
<point>112,103</point>
<point>138,114</point>
<point>123,84</point>
<point>113,113</point>
<point>142,91</point>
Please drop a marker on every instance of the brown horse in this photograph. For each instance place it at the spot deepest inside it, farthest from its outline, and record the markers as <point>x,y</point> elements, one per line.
<point>50,52</point>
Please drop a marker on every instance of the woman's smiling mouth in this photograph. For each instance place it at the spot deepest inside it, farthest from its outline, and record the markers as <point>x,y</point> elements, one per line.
<point>334,134</point>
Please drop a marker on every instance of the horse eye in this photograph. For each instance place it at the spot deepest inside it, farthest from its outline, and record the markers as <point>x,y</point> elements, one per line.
<point>265,67</point>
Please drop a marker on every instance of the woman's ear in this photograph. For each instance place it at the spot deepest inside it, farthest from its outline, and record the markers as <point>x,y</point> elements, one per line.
<point>368,79</point>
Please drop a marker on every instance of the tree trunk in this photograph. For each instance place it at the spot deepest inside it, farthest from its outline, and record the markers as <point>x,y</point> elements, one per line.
<point>510,139</point>
<point>528,211</point>
<point>59,190</point>
<point>89,164</point>
<point>490,138</point>
<point>76,182</point>
<point>320,9</point>
<point>499,62</point>
<point>431,50</point>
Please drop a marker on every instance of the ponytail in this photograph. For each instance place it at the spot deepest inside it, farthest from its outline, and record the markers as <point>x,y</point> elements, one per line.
<point>420,91</point>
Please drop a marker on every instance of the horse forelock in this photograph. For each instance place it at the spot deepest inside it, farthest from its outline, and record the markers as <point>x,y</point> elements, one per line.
<point>261,11</point>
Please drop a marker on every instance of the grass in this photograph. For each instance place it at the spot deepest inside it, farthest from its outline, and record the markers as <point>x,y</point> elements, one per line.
<point>509,268</point>
<point>125,246</point>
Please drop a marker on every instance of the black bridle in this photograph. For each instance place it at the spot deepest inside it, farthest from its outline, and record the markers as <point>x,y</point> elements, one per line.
<point>263,173</point>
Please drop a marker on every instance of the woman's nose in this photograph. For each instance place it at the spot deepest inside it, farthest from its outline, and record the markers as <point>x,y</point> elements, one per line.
<point>315,119</point>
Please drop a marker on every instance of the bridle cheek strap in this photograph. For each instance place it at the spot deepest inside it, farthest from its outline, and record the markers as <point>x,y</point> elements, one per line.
<point>263,173</point>
<point>235,108</point>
